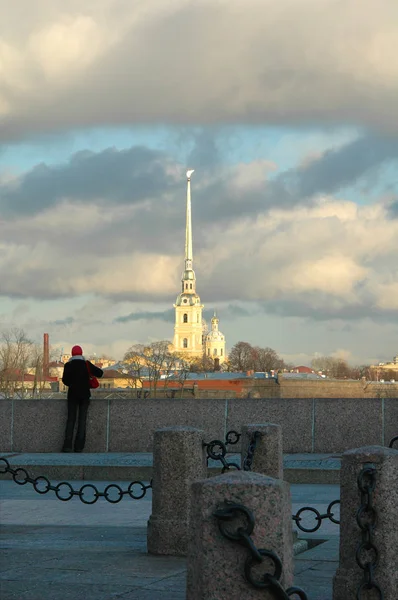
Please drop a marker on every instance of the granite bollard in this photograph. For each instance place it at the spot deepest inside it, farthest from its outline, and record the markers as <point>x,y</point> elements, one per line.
<point>382,515</point>
<point>268,455</point>
<point>178,459</point>
<point>216,564</point>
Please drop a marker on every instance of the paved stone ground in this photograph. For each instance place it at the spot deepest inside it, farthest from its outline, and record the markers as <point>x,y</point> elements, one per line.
<point>53,550</point>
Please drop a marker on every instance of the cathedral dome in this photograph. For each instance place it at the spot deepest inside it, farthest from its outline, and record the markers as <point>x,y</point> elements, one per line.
<point>188,275</point>
<point>187,299</point>
<point>215,336</point>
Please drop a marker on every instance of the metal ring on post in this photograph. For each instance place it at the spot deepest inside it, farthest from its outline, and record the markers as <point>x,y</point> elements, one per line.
<point>229,512</point>
<point>366,481</point>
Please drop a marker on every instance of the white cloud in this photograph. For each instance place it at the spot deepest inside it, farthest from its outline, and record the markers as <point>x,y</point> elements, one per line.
<point>67,47</point>
<point>331,256</point>
<point>335,249</point>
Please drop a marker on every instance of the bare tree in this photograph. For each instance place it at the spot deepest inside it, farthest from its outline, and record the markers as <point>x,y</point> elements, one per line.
<point>134,364</point>
<point>266,359</point>
<point>161,361</point>
<point>36,365</point>
<point>334,367</point>
<point>15,354</point>
<point>183,371</point>
<point>244,357</point>
<point>202,364</point>
<point>241,357</point>
<point>153,362</point>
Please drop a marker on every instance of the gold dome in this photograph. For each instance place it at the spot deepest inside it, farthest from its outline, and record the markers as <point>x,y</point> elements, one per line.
<point>188,275</point>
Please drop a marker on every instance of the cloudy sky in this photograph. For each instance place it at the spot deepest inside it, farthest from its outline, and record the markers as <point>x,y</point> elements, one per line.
<point>287,111</point>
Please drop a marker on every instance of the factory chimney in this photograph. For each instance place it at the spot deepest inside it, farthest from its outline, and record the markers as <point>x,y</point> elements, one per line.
<point>46,356</point>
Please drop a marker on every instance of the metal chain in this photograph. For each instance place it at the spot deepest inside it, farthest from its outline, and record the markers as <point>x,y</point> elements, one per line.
<point>212,453</point>
<point>367,554</point>
<point>232,437</point>
<point>298,517</point>
<point>248,460</point>
<point>64,490</point>
<point>270,581</point>
<point>393,441</point>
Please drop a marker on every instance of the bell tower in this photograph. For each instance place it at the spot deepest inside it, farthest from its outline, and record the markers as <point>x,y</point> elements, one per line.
<point>188,308</point>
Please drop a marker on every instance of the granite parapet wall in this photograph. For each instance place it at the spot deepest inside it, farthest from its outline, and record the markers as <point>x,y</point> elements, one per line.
<point>127,424</point>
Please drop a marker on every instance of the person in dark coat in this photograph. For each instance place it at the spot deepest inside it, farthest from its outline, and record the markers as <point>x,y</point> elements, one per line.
<point>76,377</point>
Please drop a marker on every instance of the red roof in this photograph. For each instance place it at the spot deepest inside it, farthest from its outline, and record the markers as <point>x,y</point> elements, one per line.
<point>303,369</point>
<point>113,374</point>
<point>16,375</point>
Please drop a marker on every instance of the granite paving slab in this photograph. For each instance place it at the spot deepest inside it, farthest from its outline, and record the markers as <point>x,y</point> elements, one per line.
<point>52,550</point>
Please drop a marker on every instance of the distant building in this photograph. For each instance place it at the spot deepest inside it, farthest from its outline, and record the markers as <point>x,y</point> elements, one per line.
<point>190,337</point>
<point>214,342</point>
<point>100,361</point>
<point>302,369</point>
<point>388,370</point>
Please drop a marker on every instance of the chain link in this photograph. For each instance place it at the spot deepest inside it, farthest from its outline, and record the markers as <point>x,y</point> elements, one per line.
<point>300,514</point>
<point>242,535</point>
<point>393,441</point>
<point>88,493</point>
<point>248,460</point>
<point>216,450</point>
<point>232,437</point>
<point>367,554</point>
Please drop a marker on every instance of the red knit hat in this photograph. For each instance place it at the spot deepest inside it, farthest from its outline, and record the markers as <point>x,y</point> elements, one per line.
<point>77,350</point>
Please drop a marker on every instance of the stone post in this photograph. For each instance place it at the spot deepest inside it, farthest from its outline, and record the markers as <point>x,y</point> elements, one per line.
<point>268,455</point>
<point>178,459</point>
<point>216,564</point>
<point>385,502</point>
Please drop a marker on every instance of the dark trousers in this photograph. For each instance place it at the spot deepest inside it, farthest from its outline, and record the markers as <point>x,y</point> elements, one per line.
<point>76,408</point>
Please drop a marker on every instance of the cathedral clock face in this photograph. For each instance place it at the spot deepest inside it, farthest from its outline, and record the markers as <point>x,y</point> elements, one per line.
<point>185,300</point>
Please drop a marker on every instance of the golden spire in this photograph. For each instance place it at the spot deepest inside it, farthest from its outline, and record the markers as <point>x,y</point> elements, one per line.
<point>188,228</point>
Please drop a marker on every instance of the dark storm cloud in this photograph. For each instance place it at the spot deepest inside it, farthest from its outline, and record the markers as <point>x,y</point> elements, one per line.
<point>169,315</point>
<point>314,309</point>
<point>114,176</point>
<point>234,310</point>
<point>336,168</point>
<point>62,322</point>
<point>165,315</point>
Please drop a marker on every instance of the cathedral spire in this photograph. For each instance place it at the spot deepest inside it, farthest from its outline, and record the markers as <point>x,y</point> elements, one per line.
<point>188,228</point>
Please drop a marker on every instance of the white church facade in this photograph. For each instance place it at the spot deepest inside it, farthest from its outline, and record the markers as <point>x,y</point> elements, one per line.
<point>190,332</point>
